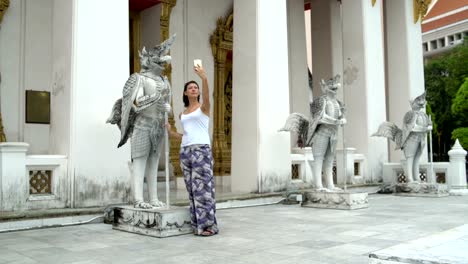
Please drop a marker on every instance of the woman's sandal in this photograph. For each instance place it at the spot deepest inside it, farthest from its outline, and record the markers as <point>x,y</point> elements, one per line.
<point>207,233</point>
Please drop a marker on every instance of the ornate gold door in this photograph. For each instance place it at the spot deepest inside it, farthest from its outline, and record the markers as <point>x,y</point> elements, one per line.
<point>221,46</point>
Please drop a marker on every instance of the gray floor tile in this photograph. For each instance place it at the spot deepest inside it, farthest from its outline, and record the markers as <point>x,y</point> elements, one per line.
<point>276,234</point>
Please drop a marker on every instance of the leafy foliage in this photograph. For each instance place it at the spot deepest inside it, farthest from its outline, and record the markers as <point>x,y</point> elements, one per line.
<point>462,135</point>
<point>444,76</point>
<point>460,105</point>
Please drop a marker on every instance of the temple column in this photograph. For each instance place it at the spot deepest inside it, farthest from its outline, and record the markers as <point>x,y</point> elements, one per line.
<point>363,82</point>
<point>6,4</point>
<point>326,41</point>
<point>260,155</point>
<point>404,58</point>
<point>12,58</point>
<point>299,85</point>
<point>98,169</point>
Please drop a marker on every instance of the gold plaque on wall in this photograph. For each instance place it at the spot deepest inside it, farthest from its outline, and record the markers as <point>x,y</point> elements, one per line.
<point>38,107</point>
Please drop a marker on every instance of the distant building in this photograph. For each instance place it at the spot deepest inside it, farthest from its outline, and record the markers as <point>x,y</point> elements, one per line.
<point>445,26</point>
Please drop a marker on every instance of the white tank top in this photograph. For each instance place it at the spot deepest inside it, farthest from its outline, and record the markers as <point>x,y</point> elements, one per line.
<point>195,125</point>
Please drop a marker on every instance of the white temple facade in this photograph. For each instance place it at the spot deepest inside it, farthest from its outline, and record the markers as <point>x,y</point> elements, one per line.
<point>77,51</point>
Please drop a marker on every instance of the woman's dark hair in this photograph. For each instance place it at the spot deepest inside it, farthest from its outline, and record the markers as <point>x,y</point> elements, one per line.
<point>184,97</point>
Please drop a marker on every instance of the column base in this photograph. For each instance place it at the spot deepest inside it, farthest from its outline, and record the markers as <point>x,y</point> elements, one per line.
<point>335,200</point>
<point>153,222</point>
<point>458,192</point>
<point>421,189</point>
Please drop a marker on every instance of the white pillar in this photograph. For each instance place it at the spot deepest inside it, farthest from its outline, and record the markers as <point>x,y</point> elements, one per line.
<point>364,81</point>
<point>326,41</point>
<point>299,83</point>
<point>25,64</point>
<point>260,155</point>
<point>456,178</point>
<point>14,181</point>
<point>12,56</point>
<point>405,65</point>
<point>62,26</point>
<point>100,54</point>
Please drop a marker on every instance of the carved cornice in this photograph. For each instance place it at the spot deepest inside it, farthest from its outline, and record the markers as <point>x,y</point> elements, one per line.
<point>4,4</point>
<point>420,8</point>
<point>222,38</point>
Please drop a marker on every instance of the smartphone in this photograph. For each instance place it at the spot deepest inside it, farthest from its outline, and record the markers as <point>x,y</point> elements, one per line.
<point>197,62</point>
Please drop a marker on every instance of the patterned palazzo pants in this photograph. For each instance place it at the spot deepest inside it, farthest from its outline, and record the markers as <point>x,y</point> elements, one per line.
<point>196,162</point>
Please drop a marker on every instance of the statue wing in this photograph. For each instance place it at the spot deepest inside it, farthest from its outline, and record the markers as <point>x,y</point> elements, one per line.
<point>115,116</point>
<point>317,108</point>
<point>409,121</point>
<point>390,131</point>
<point>128,113</point>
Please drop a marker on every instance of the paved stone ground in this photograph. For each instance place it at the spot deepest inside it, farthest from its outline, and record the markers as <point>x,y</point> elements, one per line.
<point>273,234</point>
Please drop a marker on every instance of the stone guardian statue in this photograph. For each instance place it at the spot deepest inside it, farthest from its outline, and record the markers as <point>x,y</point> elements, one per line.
<point>320,132</point>
<point>411,138</point>
<point>139,114</point>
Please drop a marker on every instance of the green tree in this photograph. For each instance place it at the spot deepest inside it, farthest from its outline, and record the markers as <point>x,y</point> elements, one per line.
<point>443,77</point>
<point>460,105</point>
<point>460,112</point>
<point>462,135</point>
<point>457,63</point>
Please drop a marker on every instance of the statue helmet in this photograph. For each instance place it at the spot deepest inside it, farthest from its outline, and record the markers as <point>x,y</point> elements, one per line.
<point>331,84</point>
<point>419,101</point>
<point>157,56</point>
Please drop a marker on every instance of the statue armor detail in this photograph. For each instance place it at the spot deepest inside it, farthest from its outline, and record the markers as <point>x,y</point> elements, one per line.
<point>320,132</point>
<point>139,114</point>
<point>411,138</point>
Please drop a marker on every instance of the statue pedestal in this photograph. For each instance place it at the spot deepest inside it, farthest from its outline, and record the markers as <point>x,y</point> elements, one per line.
<point>335,200</point>
<point>421,189</point>
<point>154,222</point>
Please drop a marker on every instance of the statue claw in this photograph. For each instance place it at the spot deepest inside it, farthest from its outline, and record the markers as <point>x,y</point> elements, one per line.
<point>142,205</point>
<point>321,189</point>
<point>157,204</point>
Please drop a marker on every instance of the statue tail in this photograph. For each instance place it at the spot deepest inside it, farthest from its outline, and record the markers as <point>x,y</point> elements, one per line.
<point>297,123</point>
<point>390,131</point>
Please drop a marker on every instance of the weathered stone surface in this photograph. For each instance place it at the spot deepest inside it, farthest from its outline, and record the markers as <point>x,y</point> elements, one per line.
<point>335,200</point>
<point>153,222</point>
<point>441,248</point>
<point>421,189</point>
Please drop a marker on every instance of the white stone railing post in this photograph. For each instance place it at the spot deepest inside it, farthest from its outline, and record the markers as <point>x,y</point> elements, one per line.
<point>341,177</point>
<point>456,178</point>
<point>13,179</point>
<point>308,172</point>
<point>305,157</point>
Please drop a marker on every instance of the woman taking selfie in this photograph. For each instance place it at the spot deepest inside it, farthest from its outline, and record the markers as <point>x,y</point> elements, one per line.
<point>196,159</point>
